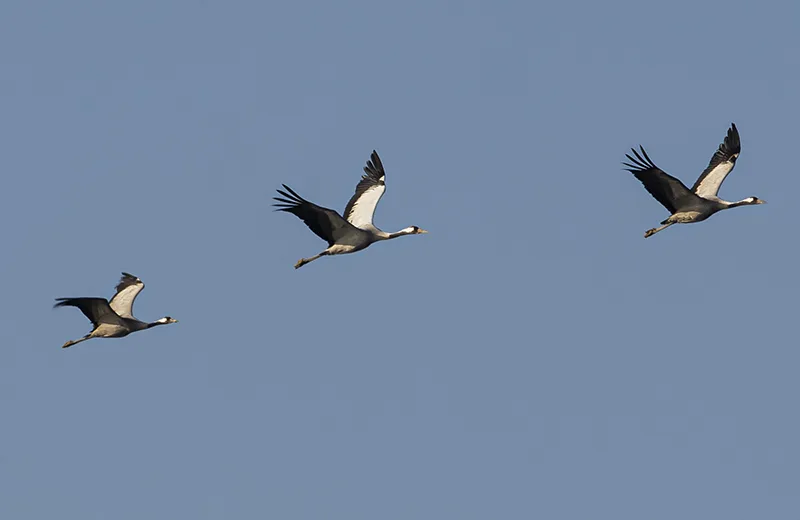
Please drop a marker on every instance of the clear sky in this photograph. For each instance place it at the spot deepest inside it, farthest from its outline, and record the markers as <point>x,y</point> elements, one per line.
<point>532,357</point>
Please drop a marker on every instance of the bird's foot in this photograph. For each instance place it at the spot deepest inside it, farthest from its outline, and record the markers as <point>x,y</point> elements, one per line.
<point>649,232</point>
<point>300,263</point>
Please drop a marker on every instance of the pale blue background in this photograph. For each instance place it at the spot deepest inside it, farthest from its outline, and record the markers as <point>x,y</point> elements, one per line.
<point>532,357</point>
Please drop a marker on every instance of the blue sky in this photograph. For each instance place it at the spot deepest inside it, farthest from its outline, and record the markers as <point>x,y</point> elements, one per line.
<point>532,357</point>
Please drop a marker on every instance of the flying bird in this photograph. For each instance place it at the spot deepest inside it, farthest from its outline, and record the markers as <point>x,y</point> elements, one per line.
<point>353,232</point>
<point>699,203</point>
<point>112,319</point>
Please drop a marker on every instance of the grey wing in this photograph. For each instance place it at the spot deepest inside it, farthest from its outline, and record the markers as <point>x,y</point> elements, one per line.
<point>361,207</point>
<point>721,164</point>
<point>665,188</point>
<point>96,309</point>
<point>128,288</point>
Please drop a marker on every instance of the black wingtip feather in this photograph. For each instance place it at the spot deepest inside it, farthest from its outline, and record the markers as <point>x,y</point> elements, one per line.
<point>126,281</point>
<point>294,193</point>
<point>288,201</point>
<point>324,222</point>
<point>374,168</point>
<point>732,143</point>
<point>647,158</point>
<point>640,161</point>
<point>291,197</point>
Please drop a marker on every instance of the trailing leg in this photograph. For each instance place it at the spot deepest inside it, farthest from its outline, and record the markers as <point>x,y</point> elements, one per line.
<point>75,342</point>
<point>651,232</point>
<point>303,261</point>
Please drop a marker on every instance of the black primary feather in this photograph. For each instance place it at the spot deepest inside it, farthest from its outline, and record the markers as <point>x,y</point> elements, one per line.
<point>665,188</point>
<point>324,222</point>
<point>126,281</point>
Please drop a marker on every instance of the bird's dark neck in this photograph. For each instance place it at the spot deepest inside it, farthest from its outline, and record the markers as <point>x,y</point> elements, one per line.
<point>745,202</point>
<point>401,233</point>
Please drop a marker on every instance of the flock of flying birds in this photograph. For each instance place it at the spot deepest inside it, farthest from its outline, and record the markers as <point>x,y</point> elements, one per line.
<point>355,231</point>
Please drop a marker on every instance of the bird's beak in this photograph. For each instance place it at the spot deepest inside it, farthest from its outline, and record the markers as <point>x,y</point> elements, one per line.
<point>421,231</point>
<point>762,201</point>
<point>174,320</point>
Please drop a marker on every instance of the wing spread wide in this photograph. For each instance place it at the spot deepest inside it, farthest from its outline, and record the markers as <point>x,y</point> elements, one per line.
<point>128,288</point>
<point>361,208</point>
<point>324,222</point>
<point>721,164</point>
<point>96,309</point>
<point>665,188</point>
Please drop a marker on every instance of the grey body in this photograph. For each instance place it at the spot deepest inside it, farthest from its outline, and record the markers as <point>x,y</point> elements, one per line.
<point>112,319</point>
<point>117,330</point>
<point>355,240</point>
<point>695,211</point>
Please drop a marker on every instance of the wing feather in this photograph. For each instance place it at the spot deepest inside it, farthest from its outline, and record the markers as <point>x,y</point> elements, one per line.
<point>665,188</point>
<point>721,164</point>
<point>324,222</point>
<point>96,309</point>
<point>128,288</point>
<point>360,210</point>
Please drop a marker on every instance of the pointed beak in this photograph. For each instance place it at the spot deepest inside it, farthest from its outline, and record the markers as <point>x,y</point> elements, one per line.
<point>762,201</point>
<point>421,231</point>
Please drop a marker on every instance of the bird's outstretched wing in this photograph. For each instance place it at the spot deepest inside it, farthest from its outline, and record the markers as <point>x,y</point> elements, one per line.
<point>96,309</point>
<point>128,288</point>
<point>665,188</point>
<point>370,189</point>
<point>720,166</point>
<point>324,222</point>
